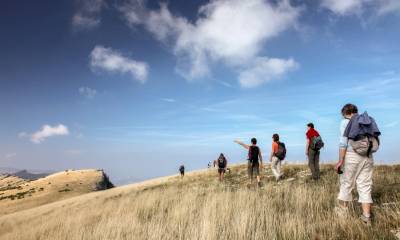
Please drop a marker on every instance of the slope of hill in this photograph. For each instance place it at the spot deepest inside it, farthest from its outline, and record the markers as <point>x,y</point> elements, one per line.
<point>18,194</point>
<point>199,207</point>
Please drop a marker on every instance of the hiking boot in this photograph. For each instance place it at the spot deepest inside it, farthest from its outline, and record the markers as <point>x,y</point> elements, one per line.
<point>259,184</point>
<point>366,220</point>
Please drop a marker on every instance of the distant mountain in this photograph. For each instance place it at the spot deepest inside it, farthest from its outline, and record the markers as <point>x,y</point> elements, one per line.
<point>28,175</point>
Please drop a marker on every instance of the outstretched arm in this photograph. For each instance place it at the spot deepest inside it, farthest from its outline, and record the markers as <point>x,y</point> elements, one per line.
<point>242,144</point>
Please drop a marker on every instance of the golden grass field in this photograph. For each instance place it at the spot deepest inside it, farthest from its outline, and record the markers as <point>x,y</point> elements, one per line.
<point>199,207</point>
<point>17,194</point>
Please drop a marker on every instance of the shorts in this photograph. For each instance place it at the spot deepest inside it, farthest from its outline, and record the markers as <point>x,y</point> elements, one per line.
<point>357,172</point>
<point>253,168</point>
<point>221,170</point>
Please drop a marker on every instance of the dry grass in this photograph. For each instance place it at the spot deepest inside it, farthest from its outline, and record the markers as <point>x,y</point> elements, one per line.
<point>17,194</point>
<point>199,207</point>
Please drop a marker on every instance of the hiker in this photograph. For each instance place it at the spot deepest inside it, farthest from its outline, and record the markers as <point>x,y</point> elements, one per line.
<point>222,163</point>
<point>255,161</point>
<point>182,170</point>
<point>359,140</point>
<point>277,155</point>
<point>313,146</point>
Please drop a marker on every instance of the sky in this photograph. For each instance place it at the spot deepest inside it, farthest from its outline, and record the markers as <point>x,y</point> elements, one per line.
<point>139,87</point>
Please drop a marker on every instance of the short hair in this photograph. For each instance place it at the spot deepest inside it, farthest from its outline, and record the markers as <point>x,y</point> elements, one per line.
<point>254,141</point>
<point>311,125</point>
<point>275,137</point>
<point>349,109</point>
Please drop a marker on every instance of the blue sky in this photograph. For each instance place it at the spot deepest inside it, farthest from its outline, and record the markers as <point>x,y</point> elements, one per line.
<point>139,87</point>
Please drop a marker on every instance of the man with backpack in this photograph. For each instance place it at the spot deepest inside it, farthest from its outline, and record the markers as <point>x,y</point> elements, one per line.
<point>278,154</point>
<point>182,170</point>
<point>313,147</point>
<point>222,163</point>
<point>255,161</point>
<point>359,140</point>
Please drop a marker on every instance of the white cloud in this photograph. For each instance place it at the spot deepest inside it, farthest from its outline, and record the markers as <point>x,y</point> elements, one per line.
<point>343,7</point>
<point>113,61</point>
<point>264,70</point>
<point>87,15</point>
<point>170,100</point>
<point>22,134</point>
<point>358,7</point>
<point>10,155</point>
<point>225,84</point>
<point>87,92</point>
<point>389,6</point>
<point>46,132</point>
<point>231,32</point>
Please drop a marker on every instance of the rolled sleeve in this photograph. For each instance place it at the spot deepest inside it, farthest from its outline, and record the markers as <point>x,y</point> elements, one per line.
<point>343,143</point>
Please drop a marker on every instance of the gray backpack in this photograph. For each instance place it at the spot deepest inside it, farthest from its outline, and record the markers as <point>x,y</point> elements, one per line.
<point>317,143</point>
<point>365,145</point>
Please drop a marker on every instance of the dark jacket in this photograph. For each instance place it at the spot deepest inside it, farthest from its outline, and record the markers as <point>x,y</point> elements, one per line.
<point>361,125</point>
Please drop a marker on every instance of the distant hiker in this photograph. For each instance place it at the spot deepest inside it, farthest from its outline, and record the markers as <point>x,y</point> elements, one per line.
<point>359,140</point>
<point>222,163</point>
<point>313,147</point>
<point>278,154</point>
<point>182,170</point>
<point>254,159</point>
<point>209,165</point>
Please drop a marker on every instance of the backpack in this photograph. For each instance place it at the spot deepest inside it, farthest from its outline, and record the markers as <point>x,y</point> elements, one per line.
<point>221,162</point>
<point>317,143</point>
<point>253,154</point>
<point>364,145</point>
<point>281,154</point>
<point>364,139</point>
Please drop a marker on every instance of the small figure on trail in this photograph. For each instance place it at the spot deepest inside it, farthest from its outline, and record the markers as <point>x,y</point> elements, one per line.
<point>278,154</point>
<point>209,165</point>
<point>182,170</point>
<point>313,147</point>
<point>222,164</point>
<point>359,140</point>
<point>255,161</point>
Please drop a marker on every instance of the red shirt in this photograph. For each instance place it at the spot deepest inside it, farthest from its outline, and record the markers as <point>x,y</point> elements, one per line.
<point>312,133</point>
<point>275,147</point>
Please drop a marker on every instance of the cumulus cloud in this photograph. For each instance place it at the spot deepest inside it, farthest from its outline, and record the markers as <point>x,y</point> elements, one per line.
<point>87,15</point>
<point>87,92</point>
<point>107,59</point>
<point>46,132</point>
<point>232,32</point>
<point>264,70</point>
<point>358,7</point>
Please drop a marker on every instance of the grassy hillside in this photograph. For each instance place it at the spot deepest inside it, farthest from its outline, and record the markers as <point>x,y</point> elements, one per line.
<point>17,194</point>
<point>199,207</point>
